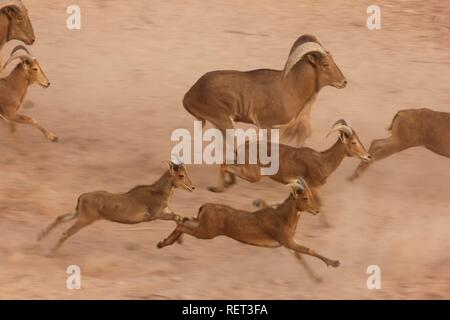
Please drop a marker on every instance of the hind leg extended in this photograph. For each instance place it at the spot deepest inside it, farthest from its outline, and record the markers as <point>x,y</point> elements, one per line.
<point>60,219</point>
<point>77,226</point>
<point>379,149</point>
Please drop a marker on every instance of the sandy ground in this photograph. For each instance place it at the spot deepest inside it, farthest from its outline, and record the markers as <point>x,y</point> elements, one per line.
<point>117,86</point>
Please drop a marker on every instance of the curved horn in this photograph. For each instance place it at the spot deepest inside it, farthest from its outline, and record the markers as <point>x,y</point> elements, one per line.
<point>177,161</point>
<point>20,47</point>
<point>21,57</point>
<point>12,3</point>
<point>302,183</point>
<point>297,54</point>
<point>297,184</point>
<point>342,126</point>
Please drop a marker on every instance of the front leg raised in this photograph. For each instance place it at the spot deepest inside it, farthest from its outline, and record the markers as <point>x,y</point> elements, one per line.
<point>293,245</point>
<point>20,118</point>
<point>165,214</point>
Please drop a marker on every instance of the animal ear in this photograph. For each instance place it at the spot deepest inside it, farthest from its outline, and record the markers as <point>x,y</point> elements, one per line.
<point>26,64</point>
<point>294,192</point>
<point>343,137</point>
<point>314,58</point>
<point>170,167</point>
<point>9,12</point>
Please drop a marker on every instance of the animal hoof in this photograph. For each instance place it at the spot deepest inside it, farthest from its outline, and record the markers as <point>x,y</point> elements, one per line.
<point>215,189</point>
<point>160,245</point>
<point>53,139</point>
<point>335,263</point>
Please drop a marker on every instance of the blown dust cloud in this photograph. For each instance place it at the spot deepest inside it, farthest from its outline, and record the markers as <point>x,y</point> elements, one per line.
<point>116,96</point>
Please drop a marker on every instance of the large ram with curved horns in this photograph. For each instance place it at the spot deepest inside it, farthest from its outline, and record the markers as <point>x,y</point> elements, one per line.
<point>15,23</point>
<point>268,98</point>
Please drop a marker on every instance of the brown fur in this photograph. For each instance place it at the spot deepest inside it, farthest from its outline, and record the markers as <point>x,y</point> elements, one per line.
<point>139,204</point>
<point>314,166</point>
<point>412,128</point>
<point>13,89</point>
<point>264,97</point>
<point>15,23</point>
<point>269,227</point>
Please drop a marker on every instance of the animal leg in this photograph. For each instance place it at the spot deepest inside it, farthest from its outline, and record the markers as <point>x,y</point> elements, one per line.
<point>174,236</point>
<point>307,267</point>
<point>60,219</point>
<point>19,118</point>
<point>166,214</point>
<point>231,181</point>
<point>292,244</point>
<point>379,149</point>
<point>194,228</point>
<point>77,226</point>
<point>221,185</point>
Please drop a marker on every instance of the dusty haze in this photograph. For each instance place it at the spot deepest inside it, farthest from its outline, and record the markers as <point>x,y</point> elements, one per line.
<point>117,87</point>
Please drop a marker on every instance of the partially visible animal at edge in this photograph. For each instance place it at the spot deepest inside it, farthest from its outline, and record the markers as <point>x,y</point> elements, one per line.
<point>271,226</point>
<point>314,166</point>
<point>13,89</point>
<point>140,204</point>
<point>411,128</point>
<point>15,24</point>
<point>268,98</point>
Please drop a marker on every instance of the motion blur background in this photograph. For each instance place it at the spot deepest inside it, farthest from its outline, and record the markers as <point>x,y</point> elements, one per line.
<point>117,87</point>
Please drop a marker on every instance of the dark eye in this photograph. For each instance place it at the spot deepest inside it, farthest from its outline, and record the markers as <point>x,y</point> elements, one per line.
<point>326,65</point>
<point>35,69</point>
<point>305,198</point>
<point>353,142</point>
<point>181,175</point>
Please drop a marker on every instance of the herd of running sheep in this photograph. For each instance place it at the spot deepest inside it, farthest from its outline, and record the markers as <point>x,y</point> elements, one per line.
<point>265,98</point>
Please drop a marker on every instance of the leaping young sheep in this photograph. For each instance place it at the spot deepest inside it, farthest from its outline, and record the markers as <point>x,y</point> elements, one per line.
<point>271,227</point>
<point>139,204</point>
<point>412,128</point>
<point>265,97</point>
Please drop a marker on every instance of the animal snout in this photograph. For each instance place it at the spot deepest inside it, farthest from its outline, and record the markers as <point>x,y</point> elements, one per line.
<point>344,83</point>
